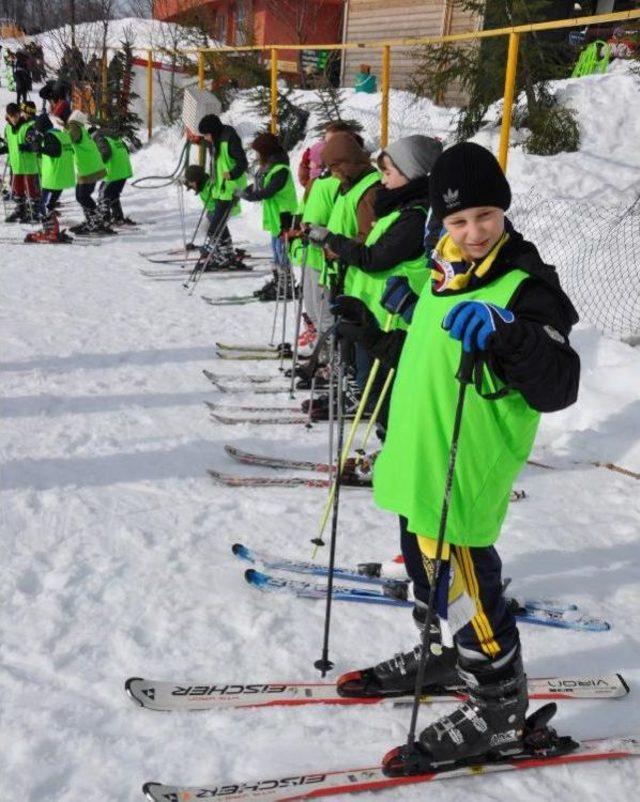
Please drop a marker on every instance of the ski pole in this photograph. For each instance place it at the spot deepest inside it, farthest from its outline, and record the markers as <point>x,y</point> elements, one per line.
<point>376,412</point>
<point>288,282</point>
<point>324,664</point>
<point>344,452</point>
<point>202,265</point>
<point>465,377</point>
<point>279,277</point>
<point>294,361</point>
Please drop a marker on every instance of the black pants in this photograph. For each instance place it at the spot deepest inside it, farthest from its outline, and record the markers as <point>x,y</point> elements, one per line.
<point>215,218</point>
<point>493,631</point>
<point>110,191</point>
<point>83,196</point>
<point>48,200</point>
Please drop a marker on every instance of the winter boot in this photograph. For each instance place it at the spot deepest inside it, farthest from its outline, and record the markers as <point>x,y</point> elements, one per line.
<point>19,214</point>
<point>397,676</point>
<point>116,217</point>
<point>50,232</point>
<point>490,724</point>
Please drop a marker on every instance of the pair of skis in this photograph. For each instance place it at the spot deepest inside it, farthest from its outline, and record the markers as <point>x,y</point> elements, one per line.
<point>393,592</point>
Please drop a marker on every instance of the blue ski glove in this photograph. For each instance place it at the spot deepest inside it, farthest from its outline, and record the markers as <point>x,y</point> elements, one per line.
<point>399,299</point>
<point>475,322</point>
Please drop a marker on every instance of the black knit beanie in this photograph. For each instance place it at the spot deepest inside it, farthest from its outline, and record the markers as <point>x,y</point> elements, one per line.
<point>194,174</point>
<point>464,176</point>
<point>210,124</point>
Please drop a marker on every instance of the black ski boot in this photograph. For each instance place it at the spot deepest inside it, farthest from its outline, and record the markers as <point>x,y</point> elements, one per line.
<point>489,727</point>
<point>397,676</point>
<point>19,214</point>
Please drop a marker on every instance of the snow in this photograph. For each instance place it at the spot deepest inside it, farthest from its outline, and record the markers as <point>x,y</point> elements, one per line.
<point>115,552</point>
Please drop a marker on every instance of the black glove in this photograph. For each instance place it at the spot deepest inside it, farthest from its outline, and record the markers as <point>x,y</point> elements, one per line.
<point>356,323</point>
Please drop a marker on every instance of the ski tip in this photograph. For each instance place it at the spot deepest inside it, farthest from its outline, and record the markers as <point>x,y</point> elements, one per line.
<point>254,577</point>
<point>128,686</point>
<point>624,683</point>
<point>241,551</point>
<point>231,450</point>
<point>149,789</point>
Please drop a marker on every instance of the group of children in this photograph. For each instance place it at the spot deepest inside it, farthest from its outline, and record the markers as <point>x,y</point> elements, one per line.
<point>413,262</point>
<point>55,151</point>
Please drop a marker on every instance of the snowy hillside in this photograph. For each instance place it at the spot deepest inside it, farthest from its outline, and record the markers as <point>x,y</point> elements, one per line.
<point>115,553</point>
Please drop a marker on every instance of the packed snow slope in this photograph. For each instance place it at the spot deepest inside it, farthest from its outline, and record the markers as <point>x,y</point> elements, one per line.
<point>115,549</point>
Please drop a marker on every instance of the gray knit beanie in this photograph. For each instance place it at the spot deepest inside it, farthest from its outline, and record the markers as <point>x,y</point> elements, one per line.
<point>414,155</point>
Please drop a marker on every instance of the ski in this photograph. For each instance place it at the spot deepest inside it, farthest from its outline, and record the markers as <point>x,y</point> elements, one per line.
<point>74,241</point>
<point>253,356</point>
<point>243,388</point>
<point>396,584</point>
<point>231,300</point>
<point>243,408</point>
<point>270,349</point>
<point>285,420</point>
<point>395,594</point>
<point>167,696</point>
<point>311,785</point>
<point>265,481</point>
<point>251,378</point>
<point>248,458</point>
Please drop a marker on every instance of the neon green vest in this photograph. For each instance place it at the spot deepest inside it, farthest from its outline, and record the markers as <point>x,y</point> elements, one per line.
<point>21,162</point>
<point>496,436</point>
<point>316,211</point>
<point>283,201</point>
<point>87,155</point>
<point>59,173</point>
<point>207,196</point>
<point>224,187</point>
<point>370,287</point>
<point>343,219</point>
<point>119,165</point>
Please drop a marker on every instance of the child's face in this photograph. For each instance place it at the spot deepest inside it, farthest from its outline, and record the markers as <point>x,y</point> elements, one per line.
<point>392,178</point>
<point>475,231</point>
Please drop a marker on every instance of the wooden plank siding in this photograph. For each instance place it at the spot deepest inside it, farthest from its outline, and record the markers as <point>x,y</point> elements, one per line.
<point>375,20</point>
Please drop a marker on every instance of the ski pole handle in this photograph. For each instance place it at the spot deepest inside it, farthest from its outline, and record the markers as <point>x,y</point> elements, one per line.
<point>464,373</point>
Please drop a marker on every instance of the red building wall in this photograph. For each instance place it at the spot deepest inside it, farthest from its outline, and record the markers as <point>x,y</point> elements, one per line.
<point>274,21</point>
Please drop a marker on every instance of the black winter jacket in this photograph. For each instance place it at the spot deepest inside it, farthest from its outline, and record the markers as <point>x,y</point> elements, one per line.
<point>531,355</point>
<point>229,135</point>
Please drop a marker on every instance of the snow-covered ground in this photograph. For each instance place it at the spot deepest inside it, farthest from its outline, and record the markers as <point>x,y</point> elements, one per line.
<point>115,548</point>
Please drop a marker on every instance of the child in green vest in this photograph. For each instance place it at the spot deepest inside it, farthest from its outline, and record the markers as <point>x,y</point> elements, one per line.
<point>25,184</point>
<point>117,163</point>
<point>492,296</point>
<point>223,257</point>
<point>274,189</point>
<point>89,170</point>
<point>58,170</point>
<point>228,176</point>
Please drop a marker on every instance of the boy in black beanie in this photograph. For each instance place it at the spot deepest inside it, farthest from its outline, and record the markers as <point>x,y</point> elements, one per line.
<point>491,295</point>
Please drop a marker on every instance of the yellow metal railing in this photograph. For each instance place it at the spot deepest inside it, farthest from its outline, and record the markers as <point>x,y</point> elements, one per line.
<point>513,33</point>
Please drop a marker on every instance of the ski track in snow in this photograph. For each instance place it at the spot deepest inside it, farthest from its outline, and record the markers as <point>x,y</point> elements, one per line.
<point>115,553</point>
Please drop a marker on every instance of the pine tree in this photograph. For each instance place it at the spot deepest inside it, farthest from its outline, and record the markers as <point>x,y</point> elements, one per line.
<point>292,119</point>
<point>329,107</point>
<point>478,69</point>
<point>117,112</point>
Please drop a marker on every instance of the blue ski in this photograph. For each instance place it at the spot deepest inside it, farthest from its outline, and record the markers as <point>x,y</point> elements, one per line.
<point>394,595</point>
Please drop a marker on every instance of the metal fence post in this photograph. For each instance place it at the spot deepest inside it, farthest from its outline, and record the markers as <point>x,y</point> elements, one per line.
<point>149,93</point>
<point>384,108</point>
<point>274,90</point>
<point>509,93</point>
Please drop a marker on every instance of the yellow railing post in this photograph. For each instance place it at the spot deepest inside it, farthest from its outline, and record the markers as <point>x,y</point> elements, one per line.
<point>202,152</point>
<point>149,93</point>
<point>509,93</point>
<point>105,84</point>
<point>384,108</point>
<point>274,90</point>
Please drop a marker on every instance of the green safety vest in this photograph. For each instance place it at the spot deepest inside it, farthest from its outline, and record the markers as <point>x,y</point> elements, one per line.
<point>224,187</point>
<point>316,211</point>
<point>370,287</point>
<point>284,200</point>
<point>118,165</point>
<point>21,162</point>
<point>207,196</point>
<point>87,155</point>
<point>496,436</point>
<point>343,219</point>
<point>59,173</point>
